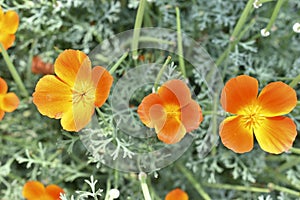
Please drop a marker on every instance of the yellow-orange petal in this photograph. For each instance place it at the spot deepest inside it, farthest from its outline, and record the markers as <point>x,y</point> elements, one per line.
<point>158,117</point>
<point>103,82</point>
<point>2,113</point>
<point>276,99</point>
<point>175,92</point>
<point>144,108</point>
<point>239,92</point>
<point>235,136</point>
<point>79,115</point>
<point>52,97</point>
<point>171,132</point>
<point>67,64</point>
<point>3,86</point>
<point>54,191</point>
<point>10,102</point>
<point>276,134</point>
<point>177,194</point>
<point>7,40</point>
<point>1,14</point>
<point>33,190</point>
<point>10,22</point>
<point>191,116</point>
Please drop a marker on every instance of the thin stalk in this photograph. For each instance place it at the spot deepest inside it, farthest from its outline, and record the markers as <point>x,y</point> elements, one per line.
<point>113,69</point>
<point>108,185</point>
<point>194,182</point>
<point>30,57</point>
<point>145,189</point>
<point>281,178</point>
<point>265,1</point>
<point>13,72</point>
<point>116,178</point>
<point>283,189</point>
<point>137,29</point>
<point>295,150</point>
<point>215,122</point>
<point>295,81</point>
<point>102,116</point>
<point>242,19</point>
<point>237,187</point>
<point>160,73</point>
<point>179,43</point>
<point>274,14</point>
<point>234,42</point>
<point>288,165</point>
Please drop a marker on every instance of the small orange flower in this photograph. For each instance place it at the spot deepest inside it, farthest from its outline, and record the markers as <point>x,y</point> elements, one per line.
<point>177,194</point>
<point>35,190</point>
<point>9,23</point>
<point>74,92</point>
<point>40,67</point>
<point>8,101</point>
<point>172,111</point>
<point>260,115</point>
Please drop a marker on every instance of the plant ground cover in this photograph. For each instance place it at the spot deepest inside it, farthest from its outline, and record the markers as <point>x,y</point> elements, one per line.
<point>35,147</point>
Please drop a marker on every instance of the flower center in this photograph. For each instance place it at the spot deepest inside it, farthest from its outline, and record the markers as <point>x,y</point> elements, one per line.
<point>83,92</point>
<point>173,111</point>
<point>252,117</point>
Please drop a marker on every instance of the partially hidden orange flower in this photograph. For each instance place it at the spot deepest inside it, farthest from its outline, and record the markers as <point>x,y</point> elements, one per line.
<point>38,66</point>
<point>73,93</point>
<point>177,194</point>
<point>171,111</point>
<point>259,115</point>
<point>35,190</point>
<point>8,101</point>
<point>9,23</point>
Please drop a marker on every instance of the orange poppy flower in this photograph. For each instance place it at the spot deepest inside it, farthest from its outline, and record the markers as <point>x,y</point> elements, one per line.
<point>8,101</point>
<point>40,67</point>
<point>9,23</point>
<point>177,194</point>
<point>260,115</point>
<point>172,111</point>
<point>35,190</point>
<point>73,93</point>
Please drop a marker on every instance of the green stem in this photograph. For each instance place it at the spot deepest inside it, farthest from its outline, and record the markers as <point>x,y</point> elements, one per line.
<point>237,187</point>
<point>274,14</point>
<point>283,189</point>
<point>295,150</point>
<point>194,182</point>
<point>242,20</point>
<point>234,42</point>
<point>160,73</point>
<point>116,178</point>
<point>113,69</point>
<point>281,178</point>
<point>295,81</point>
<point>211,112</point>
<point>102,116</point>
<point>145,189</point>
<point>108,185</point>
<point>13,72</point>
<point>265,1</point>
<point>215,123</point>
<point>288,165</point>
<point>179,43</point>
<point>137,29</point>
<point>30,57</point>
